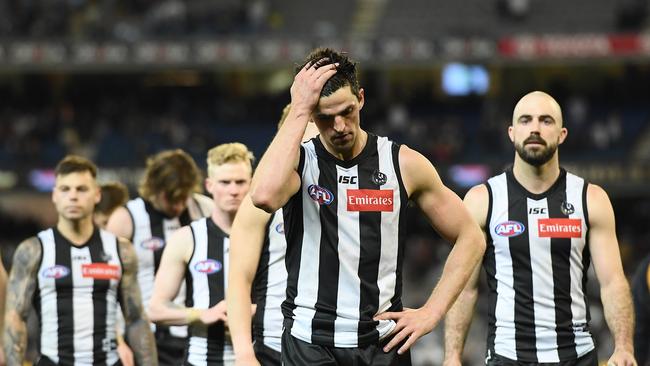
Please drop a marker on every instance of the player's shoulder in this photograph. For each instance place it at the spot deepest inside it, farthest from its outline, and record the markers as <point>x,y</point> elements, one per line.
<point>122,214</point>
<point>28,252</point>
<point>596,192</point>
<point>184,235</point>
<point>478,192</point>
<point>411,159</point>
<point>203,203</point>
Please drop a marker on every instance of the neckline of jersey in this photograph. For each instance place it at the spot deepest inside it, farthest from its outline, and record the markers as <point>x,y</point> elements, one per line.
<point>367,149</point>
<point>536,196</point>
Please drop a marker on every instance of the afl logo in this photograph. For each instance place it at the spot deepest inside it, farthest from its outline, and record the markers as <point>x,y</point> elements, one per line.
<point>280,228</point>
<point>320,194</point>
<point>55,272</point>
<point>509,228</point>
<point>208,266</point>
<point>152,244</point>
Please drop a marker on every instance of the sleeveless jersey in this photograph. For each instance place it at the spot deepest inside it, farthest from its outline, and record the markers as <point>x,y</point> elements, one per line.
<point>151,229</point>
<point>345,235</point>
<point>206,279</point>
<point>76,298</point>
<point>536,262</point>
<point>270,285</point>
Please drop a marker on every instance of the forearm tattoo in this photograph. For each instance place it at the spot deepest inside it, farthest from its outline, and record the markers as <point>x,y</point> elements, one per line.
<point>20,289</point>
<point>138,333</point>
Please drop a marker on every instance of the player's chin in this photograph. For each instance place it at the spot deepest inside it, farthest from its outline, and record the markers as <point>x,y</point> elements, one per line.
<point>74,215</point>
<point>343,143</point>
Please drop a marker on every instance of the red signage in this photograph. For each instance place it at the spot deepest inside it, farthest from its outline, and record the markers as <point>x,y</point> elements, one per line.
<point>101,271</point>
<point>370,200</point>
<point>560,228</point>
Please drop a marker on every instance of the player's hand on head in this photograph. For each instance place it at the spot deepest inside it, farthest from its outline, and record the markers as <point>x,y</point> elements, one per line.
<point>622,357</point>
<point>214,314</point>
<point>411,324</point>
<point>308,83</point>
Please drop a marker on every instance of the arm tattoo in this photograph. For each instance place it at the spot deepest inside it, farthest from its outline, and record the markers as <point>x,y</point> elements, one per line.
<point>138,333</point>
<point>20,290</point>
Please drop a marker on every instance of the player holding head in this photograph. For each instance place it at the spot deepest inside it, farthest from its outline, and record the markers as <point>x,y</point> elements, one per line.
<point>257,266</point>
<point>344,197</point>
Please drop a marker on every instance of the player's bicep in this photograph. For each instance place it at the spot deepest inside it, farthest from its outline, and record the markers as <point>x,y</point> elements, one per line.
<point>246,239</point>
<point>446,212</point>
<point>603,244</point>
<point>22,278</point>
<point>172,265</point>
<point>442,207</point>
<point>130,298</point>
<point>120,223</point>
<point>290,188</point>
<point>477,203</point>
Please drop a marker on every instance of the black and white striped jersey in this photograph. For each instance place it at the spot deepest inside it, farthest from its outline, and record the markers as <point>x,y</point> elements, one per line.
<point>536,263</point>
<point>270,285</point>
<point>206,279</point>
<point>151,229</point>
<point>76,298</point>
<point>345,231</point>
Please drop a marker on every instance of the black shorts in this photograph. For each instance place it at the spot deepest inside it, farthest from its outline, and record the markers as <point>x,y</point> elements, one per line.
<point>171,350</point>
<point>44,361</point>
<point>299,353</point>
<point>590,359</point>
<point>267,356</point>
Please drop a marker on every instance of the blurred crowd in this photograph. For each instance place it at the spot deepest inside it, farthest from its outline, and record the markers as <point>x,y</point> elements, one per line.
<point>120,121</point>
<point>130,20</point>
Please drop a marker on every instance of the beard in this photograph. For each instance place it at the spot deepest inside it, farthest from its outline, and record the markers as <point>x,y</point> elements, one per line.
<point>537,157</point>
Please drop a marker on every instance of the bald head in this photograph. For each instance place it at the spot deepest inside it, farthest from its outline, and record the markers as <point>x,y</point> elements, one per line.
<point>537,103</point>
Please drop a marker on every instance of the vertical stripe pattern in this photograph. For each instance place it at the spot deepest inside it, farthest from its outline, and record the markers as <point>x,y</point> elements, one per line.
<point>270,285</point>
<point>536,256</point>
<point>77,298</point>
<point>344,253</point>
<point>151,229</point>
<point>207,275</point>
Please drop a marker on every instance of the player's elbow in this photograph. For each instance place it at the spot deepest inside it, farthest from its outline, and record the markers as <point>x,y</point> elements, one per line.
<point>155,311</point>
<point>265,200</point>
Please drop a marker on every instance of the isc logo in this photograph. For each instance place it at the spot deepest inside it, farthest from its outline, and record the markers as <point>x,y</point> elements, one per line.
<point>509,228</point>
<point>320,194</point>
<point>537,211</point>
<point>345,179</point>
<point>280,228</point>
<point>152,244</point>
<point>55,272</point>
<point>208,266</point>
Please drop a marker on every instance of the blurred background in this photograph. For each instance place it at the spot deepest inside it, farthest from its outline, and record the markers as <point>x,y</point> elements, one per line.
<point>118,80</point>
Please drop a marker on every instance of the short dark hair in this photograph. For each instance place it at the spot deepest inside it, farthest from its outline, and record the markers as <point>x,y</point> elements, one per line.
<point>114,195</point>
<point>171,172</point>
<point>346,74</point>
<point>75,164</point>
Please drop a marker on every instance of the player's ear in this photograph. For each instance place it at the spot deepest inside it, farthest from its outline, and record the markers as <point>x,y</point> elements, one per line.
<point>362,98</point>
<point>98,194</point>
<point>563,134</point>
<point>511,133</point>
